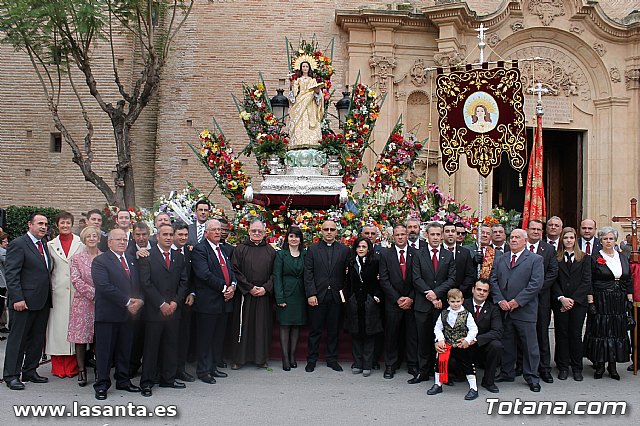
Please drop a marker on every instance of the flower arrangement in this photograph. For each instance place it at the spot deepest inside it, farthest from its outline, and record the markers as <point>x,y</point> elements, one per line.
<point>359,123</point>
<point>333,144</point>
<point>397,157</point>
<point>509,219</point>
<point>137,214</point>
<point>179,205</point>
<point>224,166</point>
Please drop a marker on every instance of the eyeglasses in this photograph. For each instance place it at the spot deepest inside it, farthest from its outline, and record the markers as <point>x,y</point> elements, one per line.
<point>462,233</point>
<point>329,229</point>
<point>256,231</point>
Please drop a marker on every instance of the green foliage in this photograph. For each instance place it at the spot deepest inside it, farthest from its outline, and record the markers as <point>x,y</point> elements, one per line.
<point>18,216</point>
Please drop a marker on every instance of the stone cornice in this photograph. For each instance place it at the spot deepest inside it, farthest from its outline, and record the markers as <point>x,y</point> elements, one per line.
<point>611,101</point>
<point>457,13</point>
<point>371,18</point>
<point>593,14</point>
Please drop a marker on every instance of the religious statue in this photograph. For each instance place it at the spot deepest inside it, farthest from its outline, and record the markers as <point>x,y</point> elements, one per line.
<point>307,105</point>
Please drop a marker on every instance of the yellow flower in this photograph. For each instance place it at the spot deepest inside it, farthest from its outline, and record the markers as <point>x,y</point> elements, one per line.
<point>204,134</point>
<point>372,93</point>
<point>253,212</point>
<point>245,115</point>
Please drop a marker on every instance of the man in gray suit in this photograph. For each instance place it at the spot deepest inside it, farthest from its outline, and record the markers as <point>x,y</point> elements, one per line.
<point>516,280</point>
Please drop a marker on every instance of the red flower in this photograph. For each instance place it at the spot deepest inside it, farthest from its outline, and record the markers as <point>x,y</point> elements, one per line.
<point>601,261</point>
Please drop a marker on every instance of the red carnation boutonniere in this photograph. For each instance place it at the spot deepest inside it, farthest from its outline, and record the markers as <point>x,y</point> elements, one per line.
<point>601,261</point>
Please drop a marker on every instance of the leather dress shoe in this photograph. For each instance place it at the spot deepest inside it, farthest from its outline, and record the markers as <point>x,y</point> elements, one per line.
<point>129,388</point>
<point>34,378</point>
<point>220,374</point>
<point>413,372</point>
<point>613,374</point>
<point>418,379</point>
<point>175,385</point>
<point>535,387</point>
<point>185,377</point>
<point>293,364</point>
<point>376,366</point>
<point>15,384</point>
<point>389,373</point>
<point>505,379</point>
<point>435,389</point>
<point>101,394</point>
<point>491,388</point>
<point>334,366</point>
<point>146,391</point>
<point>546,377</point>
<point>471,395</point>
<point>577,376</point>
<point>208,379</point>
<point>222,365</point>
<point>563,375</point>
<point>310,367</point>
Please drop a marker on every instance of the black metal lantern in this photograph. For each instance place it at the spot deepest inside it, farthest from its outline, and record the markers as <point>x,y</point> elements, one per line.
<point>280,105</point>
<point>343,106</point>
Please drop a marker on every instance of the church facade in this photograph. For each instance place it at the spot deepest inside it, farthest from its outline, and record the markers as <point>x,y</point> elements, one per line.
<point>585,53</point>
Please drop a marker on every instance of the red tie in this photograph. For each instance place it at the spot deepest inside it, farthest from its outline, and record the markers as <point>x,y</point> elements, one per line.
<point>403,265</point>
<point>477,311</point>
<point>167,259</point>
<point>434,259</point>
<point>513,260</point>
<point>41,249</point>
<point>532,248</point>
<point>588,248</point>
<point>223,266</point>
<point>451,249</point>
<point>124,265</point>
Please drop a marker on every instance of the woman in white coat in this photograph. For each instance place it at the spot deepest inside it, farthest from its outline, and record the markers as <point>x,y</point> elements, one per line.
<point>61,249</point>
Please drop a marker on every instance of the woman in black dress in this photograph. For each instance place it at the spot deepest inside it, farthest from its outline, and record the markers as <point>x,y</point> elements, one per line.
<point>363,295</point>
<point>569,296</point>
<point>606,339</point>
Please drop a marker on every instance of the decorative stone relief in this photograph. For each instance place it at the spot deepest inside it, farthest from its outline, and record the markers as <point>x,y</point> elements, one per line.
<point>632,78</point>
<point>557,71</point>
<point>418,74</point>
<point>400,95</point>
<point>632,72</point>
<point>614,73</point>
<point>599,48</point>
<point>517,26</point>
<point>449,59</point>
<point>576,29</point>
<point>382,67</point>
<point>418,98</point>
<point>546,10</point>
<point>493,40</point>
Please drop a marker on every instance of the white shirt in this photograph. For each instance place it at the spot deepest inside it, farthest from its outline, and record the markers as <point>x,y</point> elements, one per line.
<point>405,249</point>
<point>453,252</point>
<point>613,263</point>
<point>451,320</point>
<point>535,246</point>
<point>175,247</point>
<point>517,255</point>
<point>592,242</point>
<point>431,249</point>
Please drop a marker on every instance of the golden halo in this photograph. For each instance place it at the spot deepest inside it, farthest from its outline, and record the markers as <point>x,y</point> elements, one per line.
<point>485,100</point>
<point>305,58</point>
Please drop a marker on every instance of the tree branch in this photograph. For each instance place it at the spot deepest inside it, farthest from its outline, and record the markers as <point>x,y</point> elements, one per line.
<point>121,88</point>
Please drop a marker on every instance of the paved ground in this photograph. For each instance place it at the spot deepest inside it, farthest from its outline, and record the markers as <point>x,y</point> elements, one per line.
<point>252,396</point>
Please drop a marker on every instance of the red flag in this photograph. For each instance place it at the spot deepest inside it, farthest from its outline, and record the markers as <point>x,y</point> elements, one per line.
<point>535,206</point>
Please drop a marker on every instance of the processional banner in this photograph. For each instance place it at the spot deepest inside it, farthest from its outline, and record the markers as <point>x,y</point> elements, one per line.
<point>481,115</point>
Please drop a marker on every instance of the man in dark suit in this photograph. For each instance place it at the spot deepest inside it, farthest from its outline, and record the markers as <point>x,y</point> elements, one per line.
<point>123,222</point>
<point>465,274</point>
<point>553,231</point>
<point>487,349</point>
<point>198,228</point>
<point>434,273</point>
<point>186,344</point>
<point>371,233</point>
<point>414,229</point>
<point>516,280</point>
<point>589,244</point>
<point>27,272</point>
<point>215,285</point>
<point>118,299</point>
<point>485,241</point>
<point>499,238</point>
<point>548,253</point>
<point>163,277</point>
<point>396,265</point>
<point>94,218</point>
<point>325,270</point>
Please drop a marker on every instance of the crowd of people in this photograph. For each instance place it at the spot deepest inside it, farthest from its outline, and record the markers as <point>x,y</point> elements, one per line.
<point>129,300</point>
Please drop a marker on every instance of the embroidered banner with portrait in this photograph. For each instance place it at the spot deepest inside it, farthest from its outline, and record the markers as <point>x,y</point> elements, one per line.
<point>481,115</point>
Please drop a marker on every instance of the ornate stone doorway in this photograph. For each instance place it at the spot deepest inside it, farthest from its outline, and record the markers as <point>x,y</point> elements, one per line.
<point>563,172</point>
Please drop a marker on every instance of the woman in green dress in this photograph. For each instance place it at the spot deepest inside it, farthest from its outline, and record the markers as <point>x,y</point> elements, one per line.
<point>291,301</point>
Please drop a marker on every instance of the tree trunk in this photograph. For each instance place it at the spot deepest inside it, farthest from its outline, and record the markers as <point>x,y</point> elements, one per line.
<point>124,183</point>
